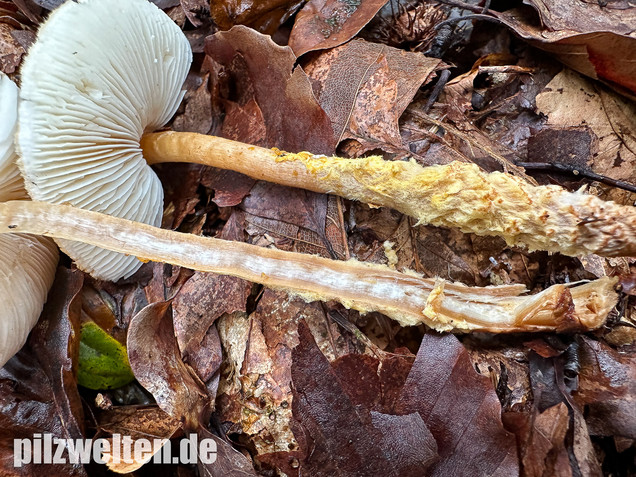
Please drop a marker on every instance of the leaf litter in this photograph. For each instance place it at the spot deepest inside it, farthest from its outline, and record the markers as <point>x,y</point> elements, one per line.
<point>285,386</point>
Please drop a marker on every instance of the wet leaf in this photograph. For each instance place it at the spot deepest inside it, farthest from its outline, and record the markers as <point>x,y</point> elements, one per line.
<point>292,118</point>
<point>38,389</point>
<point>323,24</point>
<point>262,15</point>
<point>586,36</point>
<point>338,437</point>
<point>230,188</point>
<point>461,409</point>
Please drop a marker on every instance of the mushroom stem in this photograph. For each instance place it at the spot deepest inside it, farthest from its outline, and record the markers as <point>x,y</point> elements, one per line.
<point>407,298</point>
<point>453,195</point>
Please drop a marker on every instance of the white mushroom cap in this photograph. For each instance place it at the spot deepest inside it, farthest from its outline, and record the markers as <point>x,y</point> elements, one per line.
<point>101,73</point>
<point>27,270</point>
<point>27,263</point>
<point>11,185</point>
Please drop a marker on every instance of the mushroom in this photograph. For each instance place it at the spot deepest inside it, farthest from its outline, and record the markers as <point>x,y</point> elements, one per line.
<point>27,262</point>
<point>408,298</point>
<point>103,74</point>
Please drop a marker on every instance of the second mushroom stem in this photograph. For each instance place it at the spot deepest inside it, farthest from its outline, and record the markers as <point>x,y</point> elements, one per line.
<point>453,195</point>
<point>407,298</point>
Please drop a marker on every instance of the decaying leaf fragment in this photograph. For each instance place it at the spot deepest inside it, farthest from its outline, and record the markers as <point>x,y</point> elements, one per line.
<point>365,87</point>
<point>323,24</point>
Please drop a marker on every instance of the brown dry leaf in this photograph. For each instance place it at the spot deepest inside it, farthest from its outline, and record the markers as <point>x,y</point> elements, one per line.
<point>618,16</point>
<point>156,363</point>
<point>295,219</point>
<point>458,105</point>
<point>137,423</point>
<point>180,184</point>
<point>595,39</point>
<point>229,461</point>
<point>200,301</point>
<point>461,409</point>
<point>338,437</point>
<point>197,11</point>
<point>255,391</point>
<point>409,25</point>
<point>601,121</point>
<point>541,438</point>
<point>262,15</point>
<point>230,188</point>
<point>257,69</point>
<point>38,388</point>
<point>365,87</point>
<point>323,24</point>
<point>607,390</point>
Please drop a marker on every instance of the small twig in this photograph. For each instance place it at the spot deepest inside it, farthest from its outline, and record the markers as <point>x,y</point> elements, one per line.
<point>463,5</point>
<point>478,16</point>
<point>575,171</point>
<point>439,86</point>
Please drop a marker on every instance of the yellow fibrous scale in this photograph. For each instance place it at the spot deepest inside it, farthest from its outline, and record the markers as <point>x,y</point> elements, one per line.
<point>462,195</point>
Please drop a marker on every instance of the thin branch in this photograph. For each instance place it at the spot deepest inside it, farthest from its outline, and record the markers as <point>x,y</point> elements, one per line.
<point>575,171</point>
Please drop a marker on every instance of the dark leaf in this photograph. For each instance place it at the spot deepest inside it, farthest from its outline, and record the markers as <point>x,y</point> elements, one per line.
<point>229,461</point>
<point>230,188</point>
<point>294,121</point>
<point>262,15</point>
<point>607,389</point>
<point>337,437</point>
<point>541,440</point>
<point>460,408</point>
<point>10,49</point>
<point>38,390</point>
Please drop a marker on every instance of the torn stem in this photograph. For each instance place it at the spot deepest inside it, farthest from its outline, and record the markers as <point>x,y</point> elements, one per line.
<point>453,195</point>
<point>407,298</point>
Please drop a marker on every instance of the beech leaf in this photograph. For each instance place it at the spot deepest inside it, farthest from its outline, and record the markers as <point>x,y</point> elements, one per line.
<point>461,409</point>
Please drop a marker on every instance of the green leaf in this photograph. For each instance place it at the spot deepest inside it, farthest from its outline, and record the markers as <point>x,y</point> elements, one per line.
<point>103,361</point>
